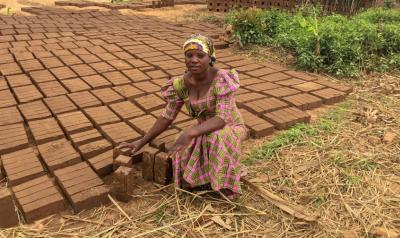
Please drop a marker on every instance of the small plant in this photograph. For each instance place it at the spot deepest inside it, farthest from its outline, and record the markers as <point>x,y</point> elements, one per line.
<point>9,11</point>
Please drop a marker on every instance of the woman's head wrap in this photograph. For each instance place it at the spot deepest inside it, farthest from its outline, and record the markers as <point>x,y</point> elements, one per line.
<point>203,43</point>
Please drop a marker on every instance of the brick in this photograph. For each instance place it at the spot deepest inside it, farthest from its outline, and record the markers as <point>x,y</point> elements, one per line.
<point>304,101</point>
<point>58,154</point>
<point>260,106</point>
<point>52,88</point>
<point>246,67</point>
<point>96,81</point>
<point>51,62</point>
<point>7,99</point>
<point>336,86</point>
<point>27,93</point>
<point>248,97</point>
<point>148,87</point>
<point>116,78</point>
<point>75,85</point>
<point>119,132</point>
<point>82,187</point>
<point>38,199</point>
<point>63,73</point>
<point>119,64</point>
<point>301,75</point>
<point>142,124</point>
<point>329,95</point>
<point>275,77</point>
<point>261,87</point>
<point>165,139</point>
<point>261,72</point>
<point>135,75</point>
<point>74,122</point>
<point>60,104</point>
<point>92,149</point>
<point>162,169</point>
<point>102,164</point>
<point>290,82</point>
<point>10,115</point>
<point>186,125</point>
<point>34,110</point>
<point>3,83</point>
<point>250,81</point>
<point>85,137</point>
<point>41,76</point>
<point>70,59</point>
<point>107,95</point>
<point>129,92</point>
<point>21,166</point>
<point>84,99</point>
<point>102,67</point>
<point>258,126</point>
<point>287,117</point>
<point>45,130</point>
<point>83,70</point>
<point>155,74</point>
<point>101,115</point>
<point>308,87</point>
<point>123,181</point>
<point>13,137</point>
<point>126,110</point>
<point>18,80</point>
<point>150,102</point>
<point>148,163</point>
<point>8,216</point>
<point>281,92</point>
<point>10,68</point>
<point>88,59</point>
<point>31,65</point>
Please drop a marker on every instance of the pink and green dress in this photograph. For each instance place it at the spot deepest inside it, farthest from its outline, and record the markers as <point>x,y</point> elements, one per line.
<point>212,158</point>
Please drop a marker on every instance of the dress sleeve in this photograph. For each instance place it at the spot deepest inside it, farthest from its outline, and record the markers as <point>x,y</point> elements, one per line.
<point>174,102</point>
<point>225,86</point>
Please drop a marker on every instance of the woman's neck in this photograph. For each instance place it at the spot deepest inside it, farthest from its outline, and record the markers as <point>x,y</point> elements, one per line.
<point>203,76</point>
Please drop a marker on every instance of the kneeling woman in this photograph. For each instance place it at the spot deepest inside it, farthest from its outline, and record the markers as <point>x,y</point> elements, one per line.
<point>208,153</point>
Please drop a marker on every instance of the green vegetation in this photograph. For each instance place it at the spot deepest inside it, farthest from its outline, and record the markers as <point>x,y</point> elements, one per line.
<point>339,45</point>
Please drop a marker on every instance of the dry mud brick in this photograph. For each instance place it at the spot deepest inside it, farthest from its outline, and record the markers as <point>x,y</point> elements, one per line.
<point>8,217</point>
<point>45,130</point>
<point>85,137</point>
<point>102,163</point>
<point>123,180</point>
<point>258,126</point>
<point>162,169</point>
<point>107,96</point>
<point>304,101</point>
<point>126,110</point>
<point>96,81</point>
<point>82,186</point>
<point>60,104</point>
<point>34,110</point>
<point>129,92</point>
<point>58,154</point>
<point>286,117</point>
<point>150,102</point>
<point>74,122</point>
<point>143,124</point>
<point>41,76</point>
<point>6,98</point>
<point>148,163</point>
<point>308,86</point>
<point>329,95</point>
<point>84,99</point>
<point>27,93</point>
<point>264,105</point>
<point>165,140</point>
<point>10,115</point>
<point>94,148</point>
<point>38,199</point>
<point>116,78</point>
<point>101,115</point>
<point>21,166</point>
<point>13,137</point>
<point>75,85</point>
<point>119,132</point>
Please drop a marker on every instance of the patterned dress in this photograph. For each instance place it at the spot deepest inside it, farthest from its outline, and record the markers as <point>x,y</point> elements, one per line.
<point>212,158</point>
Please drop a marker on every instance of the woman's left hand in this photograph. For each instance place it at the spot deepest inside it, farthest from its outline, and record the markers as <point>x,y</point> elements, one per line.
<point>182,142</point>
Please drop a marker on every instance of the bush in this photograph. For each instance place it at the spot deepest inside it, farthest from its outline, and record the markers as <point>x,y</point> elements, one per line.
<point>342,46</point>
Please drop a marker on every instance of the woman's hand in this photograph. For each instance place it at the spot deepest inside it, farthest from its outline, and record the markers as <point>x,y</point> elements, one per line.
<point>182,142</point>
<point>133,147</point>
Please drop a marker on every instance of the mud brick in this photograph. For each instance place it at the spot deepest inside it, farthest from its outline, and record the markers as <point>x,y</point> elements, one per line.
<point>12,137</point>
<point>21,166</point>
<point>129,92</point>
<point>102,67</point>
<point>41,76</point>
<point>82,186</point>
<point>162,169</point>
<point>102,163</point>
<point>275,77</point>
<point>308,87</point>
<point>92,149</point>
<point>246,67</point>
<point>126,110</point>
<point>31,65</point>
<point>18,80</point>
<point>119,132</point>
<point>248,97</point>
<point>336,86</point>
<point>137,63</point>
<point>122,55</point>
<point>70,59</point>
<point>329,95</point>
<point>63,73</point>
<point>107,95</point>
<point>287,117</point>
<point>27,93</point>
<point>84,99</point>
<point>85,137</point>
<point>116,78</point>
<point>83,69</point>
<point>51,62</point>
<point>148,87</point>
<point>258,127</point>
<point>6,98</point>
<point>101,115</point>
<point>52,88</point>
<point>10,68</point>
<point>123,160</point>
<point>148,163</point>
<point>58,154</point>
<point>282,92</point>
<point>8,216</point>
<point>34,110</point>
<point>96,81</point>
<point>136,75</point>
<point>261,72</point>
<point>60,104</point>
<point>45,130</point>
<point>301,75</point>
<point>3,83</point>
<point>304,101</point>
<point>186,125</point>
<point>74,122</point>
<point>75,85</point>
<point>142,124</point>
<point>291,82</point>
<point>10,115</point>
<point>165,139</point>
<point>250,81</point>
<point>150,102</point>
<point>262,86</point>
<point>260,106</point>
<point>88,59</point>
<point>124,179</point>
<point>120,64</point>
<point>156,74</point>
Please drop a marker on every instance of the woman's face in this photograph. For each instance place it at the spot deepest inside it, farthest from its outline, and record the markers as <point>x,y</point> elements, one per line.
<point>197,61</point>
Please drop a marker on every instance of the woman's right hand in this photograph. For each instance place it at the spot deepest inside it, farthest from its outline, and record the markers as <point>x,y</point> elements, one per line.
<point>133,146</point>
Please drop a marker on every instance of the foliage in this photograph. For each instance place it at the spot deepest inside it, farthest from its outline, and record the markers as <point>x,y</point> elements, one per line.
<point>339,45</point>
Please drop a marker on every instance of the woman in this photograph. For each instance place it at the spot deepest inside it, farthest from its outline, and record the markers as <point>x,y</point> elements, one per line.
<point>208,153</point>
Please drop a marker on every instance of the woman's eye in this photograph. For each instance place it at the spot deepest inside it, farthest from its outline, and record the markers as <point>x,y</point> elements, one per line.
<point>201,55</point>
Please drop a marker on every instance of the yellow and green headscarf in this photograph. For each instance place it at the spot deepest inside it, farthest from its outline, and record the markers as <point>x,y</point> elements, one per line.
<point>203,43</point>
